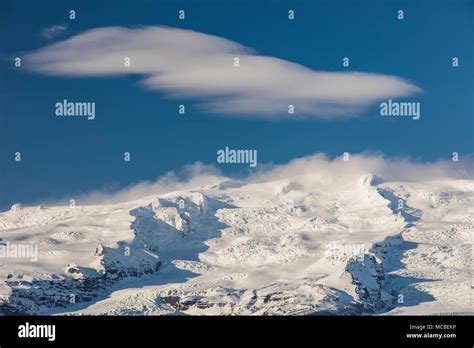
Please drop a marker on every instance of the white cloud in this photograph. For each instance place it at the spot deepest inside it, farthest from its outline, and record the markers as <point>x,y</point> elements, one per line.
<point>317,169</point>
<point>53,31</point>
<point>311,171</point>
<point>189,177</point>
<point>189,64</point>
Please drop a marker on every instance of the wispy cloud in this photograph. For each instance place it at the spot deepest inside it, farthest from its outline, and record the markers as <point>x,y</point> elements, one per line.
<point>53,31</point>
<point>311,171</point>
<point>187,178</point>
<point>321,170</point>
<point>189,64</point>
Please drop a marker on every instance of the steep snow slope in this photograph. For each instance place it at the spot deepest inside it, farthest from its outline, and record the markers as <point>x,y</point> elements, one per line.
<point>437,251</point>
<point>302,245</point>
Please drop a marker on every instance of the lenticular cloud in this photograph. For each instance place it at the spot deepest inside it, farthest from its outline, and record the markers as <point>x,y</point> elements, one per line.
<point>189,64</point>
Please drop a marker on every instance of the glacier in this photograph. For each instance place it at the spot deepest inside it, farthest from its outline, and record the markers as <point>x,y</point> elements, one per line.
<point>296,245</point>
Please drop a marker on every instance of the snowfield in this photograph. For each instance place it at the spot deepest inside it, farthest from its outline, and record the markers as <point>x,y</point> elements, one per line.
<point>305,244</point>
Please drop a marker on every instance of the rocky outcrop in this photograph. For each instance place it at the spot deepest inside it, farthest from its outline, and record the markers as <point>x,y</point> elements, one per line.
<point>368,277</point>
<point>77,284</point>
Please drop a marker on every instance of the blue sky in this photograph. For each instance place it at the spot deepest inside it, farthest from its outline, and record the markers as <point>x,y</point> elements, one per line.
<point>64,157</point>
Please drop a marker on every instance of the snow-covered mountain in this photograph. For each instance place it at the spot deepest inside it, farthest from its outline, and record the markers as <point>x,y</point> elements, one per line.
<point>298,245</point>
